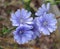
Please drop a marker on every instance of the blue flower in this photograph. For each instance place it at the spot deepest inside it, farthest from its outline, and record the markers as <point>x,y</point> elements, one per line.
<point>44,8</point>
<point>21,17</point>
<point>46,23</point>
<point>35,30</point>
<point>22,34</point>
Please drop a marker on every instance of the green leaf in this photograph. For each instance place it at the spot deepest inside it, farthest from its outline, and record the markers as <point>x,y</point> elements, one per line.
<point>57,2</point>
<point>26,1</point>
<point>9,31</point>
<point>1,19</point>
<point>4,29</point>
<point>51,1</point>
<point>8,11</point>
<point>1,48</point>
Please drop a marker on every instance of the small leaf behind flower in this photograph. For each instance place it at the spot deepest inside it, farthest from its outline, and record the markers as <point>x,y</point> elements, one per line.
<point>1,48</point>
<point>6,30</point>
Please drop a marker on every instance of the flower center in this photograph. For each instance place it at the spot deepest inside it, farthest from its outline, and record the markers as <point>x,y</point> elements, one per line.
<point>21,21</point>
<point>21,32</point>
<point>45,23</point>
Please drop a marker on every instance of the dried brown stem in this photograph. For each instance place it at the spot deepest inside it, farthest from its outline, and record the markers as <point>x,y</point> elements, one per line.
<point>58,17</point>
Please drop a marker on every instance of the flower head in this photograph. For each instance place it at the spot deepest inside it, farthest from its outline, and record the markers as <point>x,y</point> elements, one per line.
<point>44,8</point>
<point>22,35</point>
<point>21,17</point>
<point>46,23</point>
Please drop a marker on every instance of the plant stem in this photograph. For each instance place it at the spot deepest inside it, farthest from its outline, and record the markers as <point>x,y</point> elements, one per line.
<point>58,17</point>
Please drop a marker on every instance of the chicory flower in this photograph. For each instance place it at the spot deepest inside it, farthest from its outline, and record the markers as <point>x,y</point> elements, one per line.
<point>21,17</point>
<point>22,34</point>
<point>46,23</point>
<point>44,8</point>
